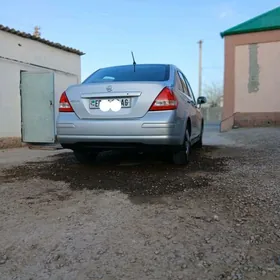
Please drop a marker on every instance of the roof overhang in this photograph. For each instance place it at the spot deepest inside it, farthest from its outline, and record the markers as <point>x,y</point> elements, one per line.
<point>41,40</point>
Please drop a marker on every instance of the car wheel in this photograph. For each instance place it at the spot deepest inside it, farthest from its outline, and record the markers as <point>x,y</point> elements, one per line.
<point>85,157</point>
<point>181,157</point>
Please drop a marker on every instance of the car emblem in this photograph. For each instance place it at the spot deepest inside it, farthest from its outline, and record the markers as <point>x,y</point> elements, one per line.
<point>109,88</point>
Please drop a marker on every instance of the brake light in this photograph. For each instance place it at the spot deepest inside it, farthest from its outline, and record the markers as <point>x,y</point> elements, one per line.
<point>166,100</point>
<point>64,104</point>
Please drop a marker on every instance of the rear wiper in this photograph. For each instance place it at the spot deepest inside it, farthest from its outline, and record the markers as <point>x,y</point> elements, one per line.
<point>134,63</point>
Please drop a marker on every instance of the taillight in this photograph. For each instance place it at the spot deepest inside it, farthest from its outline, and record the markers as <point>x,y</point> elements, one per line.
<point>64,104</point>
<point>166,100</point>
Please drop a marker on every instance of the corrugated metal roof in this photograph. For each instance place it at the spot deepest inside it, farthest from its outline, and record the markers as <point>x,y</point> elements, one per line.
<point>39,39</point>
<point>264,22</point>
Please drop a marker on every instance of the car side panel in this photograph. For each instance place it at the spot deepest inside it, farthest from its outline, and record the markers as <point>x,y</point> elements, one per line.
<point>194,118</point>
<point>199,118</point>
<point>185,110</point>
<point>198,113</point>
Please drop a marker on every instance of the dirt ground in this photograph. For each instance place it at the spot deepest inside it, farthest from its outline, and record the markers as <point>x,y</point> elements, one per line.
<point>141,218</point>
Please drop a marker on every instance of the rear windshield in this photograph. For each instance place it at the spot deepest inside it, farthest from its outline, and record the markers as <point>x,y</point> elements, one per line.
<point>142,73</point>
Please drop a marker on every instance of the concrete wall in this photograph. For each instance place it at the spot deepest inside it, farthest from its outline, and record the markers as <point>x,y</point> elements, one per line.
<point>212,115</point>
<point>257,80</point>
<point>16,54</point>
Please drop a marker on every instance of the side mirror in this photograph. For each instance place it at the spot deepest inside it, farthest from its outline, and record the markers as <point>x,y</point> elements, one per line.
<point>201,100</point>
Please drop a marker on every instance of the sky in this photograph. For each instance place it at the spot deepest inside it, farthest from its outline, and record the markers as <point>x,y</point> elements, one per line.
<point>157,31</point>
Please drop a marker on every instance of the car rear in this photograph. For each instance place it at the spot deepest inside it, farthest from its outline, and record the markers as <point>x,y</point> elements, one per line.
<point>147,115</point>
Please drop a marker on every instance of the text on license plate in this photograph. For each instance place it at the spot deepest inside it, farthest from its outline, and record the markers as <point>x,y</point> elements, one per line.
<point>94,103</point>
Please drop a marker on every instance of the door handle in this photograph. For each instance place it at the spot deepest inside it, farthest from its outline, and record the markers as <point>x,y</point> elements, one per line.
<point>51,103</point>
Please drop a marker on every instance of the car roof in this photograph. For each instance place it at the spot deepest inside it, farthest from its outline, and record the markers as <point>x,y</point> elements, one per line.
<point>140,64</point>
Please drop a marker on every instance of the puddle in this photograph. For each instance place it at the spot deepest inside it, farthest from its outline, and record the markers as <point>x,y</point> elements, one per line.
<point>137,175</point>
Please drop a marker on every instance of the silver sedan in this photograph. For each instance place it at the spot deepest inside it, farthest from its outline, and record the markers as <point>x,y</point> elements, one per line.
<point>144,107</point>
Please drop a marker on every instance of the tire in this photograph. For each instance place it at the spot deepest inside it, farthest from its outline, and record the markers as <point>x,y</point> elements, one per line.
<point>85,157</point>
<point>181,157</point>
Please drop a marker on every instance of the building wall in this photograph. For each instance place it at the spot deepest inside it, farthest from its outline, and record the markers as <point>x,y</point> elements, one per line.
<point>251,80</point>
<point>18,54</point>
<point>31,51</point>
<point>266,61</point>
<point>228,106</point>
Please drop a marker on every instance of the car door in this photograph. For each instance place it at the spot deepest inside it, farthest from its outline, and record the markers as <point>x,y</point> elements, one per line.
<point>190,107</point>
<point>197,109</point>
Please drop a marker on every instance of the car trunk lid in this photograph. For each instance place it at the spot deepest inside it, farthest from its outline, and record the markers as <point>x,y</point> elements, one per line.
<point>136,99</point>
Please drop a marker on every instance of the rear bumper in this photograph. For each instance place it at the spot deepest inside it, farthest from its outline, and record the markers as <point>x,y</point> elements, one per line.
<point>155,128</point>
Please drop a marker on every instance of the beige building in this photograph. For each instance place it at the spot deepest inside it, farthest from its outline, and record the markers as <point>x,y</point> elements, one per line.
<point>251,78</point>
<point>33,74</point>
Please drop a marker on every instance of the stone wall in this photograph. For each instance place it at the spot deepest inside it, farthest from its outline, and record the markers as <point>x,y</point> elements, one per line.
<point>212,115</point>
<point>256,119</point>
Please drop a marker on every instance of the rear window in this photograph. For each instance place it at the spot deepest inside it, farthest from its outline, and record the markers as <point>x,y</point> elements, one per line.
<point>143,73</point>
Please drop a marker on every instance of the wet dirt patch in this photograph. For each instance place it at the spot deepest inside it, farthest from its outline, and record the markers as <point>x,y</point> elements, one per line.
<point>147,176</point>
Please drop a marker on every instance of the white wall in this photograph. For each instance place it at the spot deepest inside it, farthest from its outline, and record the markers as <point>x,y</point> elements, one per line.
<point>38,53</point>
<point>65,65</point>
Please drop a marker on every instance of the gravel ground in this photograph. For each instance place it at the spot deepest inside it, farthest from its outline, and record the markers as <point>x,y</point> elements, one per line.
<point>140,218</point>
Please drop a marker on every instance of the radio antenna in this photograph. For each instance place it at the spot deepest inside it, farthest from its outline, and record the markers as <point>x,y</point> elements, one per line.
<point>134,63</point>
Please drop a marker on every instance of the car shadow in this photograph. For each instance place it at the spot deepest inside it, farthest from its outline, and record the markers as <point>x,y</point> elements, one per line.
<point>137,175</point>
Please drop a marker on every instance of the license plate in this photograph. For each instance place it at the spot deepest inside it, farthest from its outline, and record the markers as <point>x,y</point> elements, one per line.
<point>94,103</point>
